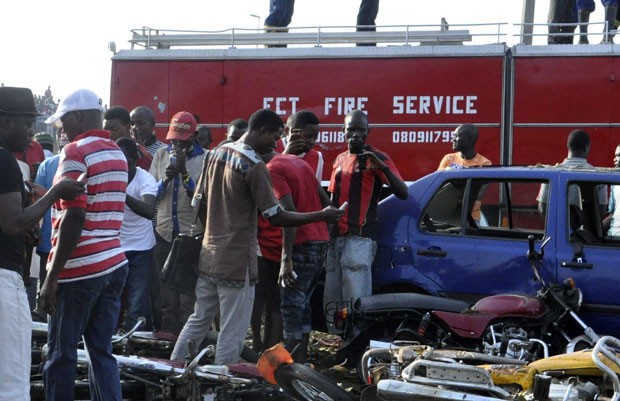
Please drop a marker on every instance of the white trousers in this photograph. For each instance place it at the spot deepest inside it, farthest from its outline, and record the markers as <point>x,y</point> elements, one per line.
<point>15,338</point>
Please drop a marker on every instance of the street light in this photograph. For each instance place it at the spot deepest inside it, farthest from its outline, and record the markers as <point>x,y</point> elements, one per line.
<point>257,24</point>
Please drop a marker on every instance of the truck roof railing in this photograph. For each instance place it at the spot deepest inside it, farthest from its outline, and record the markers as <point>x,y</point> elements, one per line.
<point>151,38</point>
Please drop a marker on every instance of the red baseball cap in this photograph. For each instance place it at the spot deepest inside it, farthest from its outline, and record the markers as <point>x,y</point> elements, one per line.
<point>182,126</point>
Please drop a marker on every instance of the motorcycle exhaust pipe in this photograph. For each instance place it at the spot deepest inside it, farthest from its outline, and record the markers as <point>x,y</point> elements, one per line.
<point>396,390</point>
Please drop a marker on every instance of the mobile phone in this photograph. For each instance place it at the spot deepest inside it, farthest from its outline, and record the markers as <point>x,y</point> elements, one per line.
<point>173,160</point>
<point>296,134</point>
<point>344,205</point>
<point>82,177</point>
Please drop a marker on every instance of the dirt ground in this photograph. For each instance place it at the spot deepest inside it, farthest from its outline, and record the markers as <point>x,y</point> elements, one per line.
<point>321,353</point>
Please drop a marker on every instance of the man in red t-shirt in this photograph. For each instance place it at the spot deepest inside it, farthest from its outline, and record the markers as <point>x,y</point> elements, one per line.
<point>33,156</point>
<point>302,131</point>
<point>290,259</point>
<point>357,178</point>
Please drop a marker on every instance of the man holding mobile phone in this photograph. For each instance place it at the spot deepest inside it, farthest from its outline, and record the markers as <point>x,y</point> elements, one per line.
<point>301,132</point>
<point>176,168</point>
<point>357,179</point>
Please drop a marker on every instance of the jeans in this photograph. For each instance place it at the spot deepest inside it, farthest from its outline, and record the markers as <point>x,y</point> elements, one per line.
<point>175,307</point>
<point>235,307</point>
<point>15,338</point>
<point>137,288</point>
<point>87,308</point>
<point>367,14</point>
<point>348,273</point>
<point>308,261</point>
<point>280,13</point>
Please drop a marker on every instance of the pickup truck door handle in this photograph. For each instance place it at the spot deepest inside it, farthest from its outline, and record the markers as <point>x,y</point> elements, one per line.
<point>432,252</point>
<point>576,265</point>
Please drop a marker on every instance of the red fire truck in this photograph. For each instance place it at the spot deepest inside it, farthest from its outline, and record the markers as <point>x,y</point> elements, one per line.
<point>524,99</point>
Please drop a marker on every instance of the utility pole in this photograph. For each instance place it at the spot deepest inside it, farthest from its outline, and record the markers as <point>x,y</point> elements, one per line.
<point>527,21</point>
<point>257,24</point>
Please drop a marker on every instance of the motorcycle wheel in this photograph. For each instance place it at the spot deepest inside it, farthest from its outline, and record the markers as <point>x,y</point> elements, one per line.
<point>306,384</point>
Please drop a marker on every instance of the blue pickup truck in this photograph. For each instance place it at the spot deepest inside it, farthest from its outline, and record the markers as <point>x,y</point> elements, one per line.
<point>462,234</point>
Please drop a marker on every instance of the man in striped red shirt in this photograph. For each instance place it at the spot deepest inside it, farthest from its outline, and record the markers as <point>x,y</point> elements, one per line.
<point>357,177</point>
<point>86,267</point>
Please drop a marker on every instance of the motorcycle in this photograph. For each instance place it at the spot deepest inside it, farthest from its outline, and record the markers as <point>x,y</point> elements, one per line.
<point>515,326</point>
<point>148,378</point>
<point>428,374</point>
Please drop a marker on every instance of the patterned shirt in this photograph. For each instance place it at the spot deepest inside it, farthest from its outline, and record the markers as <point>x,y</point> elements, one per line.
<point>99,248</point>
<point>362,189</point>
<point>152,148</point>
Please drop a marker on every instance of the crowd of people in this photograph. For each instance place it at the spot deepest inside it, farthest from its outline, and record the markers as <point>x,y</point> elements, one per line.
<point>113,198</point>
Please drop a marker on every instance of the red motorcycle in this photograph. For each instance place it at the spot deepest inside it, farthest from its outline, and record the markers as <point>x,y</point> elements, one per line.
<point>515,326</point>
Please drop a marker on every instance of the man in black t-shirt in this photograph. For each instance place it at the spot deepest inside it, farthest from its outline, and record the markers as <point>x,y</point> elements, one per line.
<point>17,115</point>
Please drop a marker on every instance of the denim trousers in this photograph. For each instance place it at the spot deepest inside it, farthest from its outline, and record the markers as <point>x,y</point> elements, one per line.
<point>280,13</point>
<point>87,308</point>
<point>138,288</point>
<point>348,273</point>
<point>295,306</point>
<point>15,338</point>
<point>235,307</point>
<point>367,14</point>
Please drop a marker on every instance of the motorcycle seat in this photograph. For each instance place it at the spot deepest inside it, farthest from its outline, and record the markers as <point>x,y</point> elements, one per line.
<point>405,301</point>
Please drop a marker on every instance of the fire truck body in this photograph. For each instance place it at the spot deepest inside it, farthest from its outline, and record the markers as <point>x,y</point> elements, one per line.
<point>524,99</point>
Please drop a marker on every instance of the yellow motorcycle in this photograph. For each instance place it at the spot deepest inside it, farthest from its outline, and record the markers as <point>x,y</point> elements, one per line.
<point>445,375</point>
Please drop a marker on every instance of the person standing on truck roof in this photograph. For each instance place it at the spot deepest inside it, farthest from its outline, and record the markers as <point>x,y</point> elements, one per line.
<point>236,128</point>
<point>366,17</point>
<point>612,222</point>
<point>280,15</point>
<point>177,168</point>
<point>236,187</point>
<point>87,267</point>
<point>357,179</point>
<point>117,120</point>
<point>561,12</point>
<point>143,129</point>
<point>17,115</point>
<point>585,8</point>
<point>464,142</point>
<point>578,145</point>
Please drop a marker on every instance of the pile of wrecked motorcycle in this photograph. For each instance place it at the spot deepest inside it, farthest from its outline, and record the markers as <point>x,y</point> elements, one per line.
<point>402,347</point>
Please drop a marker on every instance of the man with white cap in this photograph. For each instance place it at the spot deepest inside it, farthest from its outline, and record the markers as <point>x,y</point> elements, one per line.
<point>176,167</point>
<point>87,268</point>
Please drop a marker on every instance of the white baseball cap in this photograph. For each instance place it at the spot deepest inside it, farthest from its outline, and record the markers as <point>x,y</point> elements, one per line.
<point>80,99</point>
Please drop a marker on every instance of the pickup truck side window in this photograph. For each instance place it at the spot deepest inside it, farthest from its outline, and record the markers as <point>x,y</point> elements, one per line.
<point>589,214</point>
<point>487,208</point>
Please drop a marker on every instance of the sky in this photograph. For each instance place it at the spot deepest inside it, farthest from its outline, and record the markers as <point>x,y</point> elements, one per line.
<point>64,43</point>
